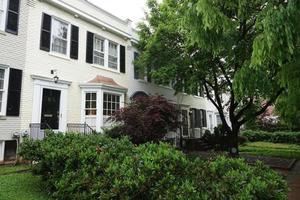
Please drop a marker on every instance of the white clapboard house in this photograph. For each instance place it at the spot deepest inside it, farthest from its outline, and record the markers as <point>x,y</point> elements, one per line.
<point>67,65</point>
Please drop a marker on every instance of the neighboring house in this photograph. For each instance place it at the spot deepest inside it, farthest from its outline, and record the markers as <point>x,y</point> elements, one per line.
<point>13,32</point>
<point>67,65</point>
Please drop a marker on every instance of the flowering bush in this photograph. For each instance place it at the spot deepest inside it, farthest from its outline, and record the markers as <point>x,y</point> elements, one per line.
<point>147,119</point>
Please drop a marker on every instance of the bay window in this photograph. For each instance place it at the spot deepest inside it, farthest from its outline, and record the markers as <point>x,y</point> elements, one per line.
<point>111,103</point>
<point>60,36</point>
<point>91,104</point>
<point>99,51</point>
<point>112,55</point>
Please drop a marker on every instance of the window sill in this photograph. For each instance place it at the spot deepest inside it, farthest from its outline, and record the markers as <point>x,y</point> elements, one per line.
<point>59,56</point>
<point>2,33</point>
<point>166,87</point>
<point>141,81</point>
<point>2,117</point>
<point>105,68</point>
<point>198,97</point>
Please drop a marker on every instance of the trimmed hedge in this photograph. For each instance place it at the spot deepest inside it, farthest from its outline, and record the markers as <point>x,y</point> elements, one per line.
<point>97,167</point>
<point>275,137</point>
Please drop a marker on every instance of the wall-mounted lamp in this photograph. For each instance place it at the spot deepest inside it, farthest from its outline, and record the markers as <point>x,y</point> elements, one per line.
<point>55,78</point>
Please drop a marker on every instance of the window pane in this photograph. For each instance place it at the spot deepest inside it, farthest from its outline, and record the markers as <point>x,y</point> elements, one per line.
<point>1,79</point>
<point>93,96</point>
<point>94,104</point>
<point>59,36</point>
<point>111,103</point>
<point>1,18</point>
<point>87,96</point>
<point>98,58</point>
<point>1,100</point>
<point>59,45</point>
<point>113,55</point>
<point>1,4</point>
<point>60,29</point>
<point>99,45</point>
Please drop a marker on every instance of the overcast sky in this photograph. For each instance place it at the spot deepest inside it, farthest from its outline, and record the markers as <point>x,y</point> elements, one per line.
<point>132,9</point>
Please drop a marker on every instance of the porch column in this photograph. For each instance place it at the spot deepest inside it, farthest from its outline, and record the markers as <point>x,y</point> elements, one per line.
<point>99,120</point>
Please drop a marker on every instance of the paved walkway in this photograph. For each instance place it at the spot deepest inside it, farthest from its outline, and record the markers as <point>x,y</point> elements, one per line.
<point>293,179</point>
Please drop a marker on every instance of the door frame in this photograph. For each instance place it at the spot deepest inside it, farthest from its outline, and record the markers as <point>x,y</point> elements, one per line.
<point>47,83</point>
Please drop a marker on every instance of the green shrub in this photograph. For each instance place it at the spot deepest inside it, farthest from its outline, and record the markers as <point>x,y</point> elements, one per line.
<point>97,167</point>
<point>275,137</point>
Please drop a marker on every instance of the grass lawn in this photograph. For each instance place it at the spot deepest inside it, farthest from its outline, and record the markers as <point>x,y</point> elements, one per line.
<point>271,149</point>
<point>20,186</point>
<point>12,169</point>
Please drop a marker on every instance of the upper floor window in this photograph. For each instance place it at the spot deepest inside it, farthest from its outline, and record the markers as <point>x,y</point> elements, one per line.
<point>112,55</point>
<point>99,51</point>
<point>111,103</point>
<point>60,36</point>
<point>3,89</point>
<point>3,7</point>
<point>2,73</point>
<point>91,104</point>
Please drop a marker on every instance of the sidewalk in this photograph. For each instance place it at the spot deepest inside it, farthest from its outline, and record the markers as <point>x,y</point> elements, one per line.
<point>293,179</point>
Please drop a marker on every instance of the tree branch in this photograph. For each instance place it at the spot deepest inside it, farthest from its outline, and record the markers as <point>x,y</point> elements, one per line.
<point>264,108</point>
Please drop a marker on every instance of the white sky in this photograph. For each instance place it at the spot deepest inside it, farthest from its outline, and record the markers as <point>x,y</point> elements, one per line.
<point>124,9</point>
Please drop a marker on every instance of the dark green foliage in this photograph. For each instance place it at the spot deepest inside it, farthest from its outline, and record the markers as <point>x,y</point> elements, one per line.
<point>242,139</point>
<point>246,49</point>
<point>276,137</point>
<point>114,132</point>
<point>96,167</point>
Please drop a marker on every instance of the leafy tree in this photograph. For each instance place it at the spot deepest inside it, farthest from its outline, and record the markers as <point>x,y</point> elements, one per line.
<point>236,50</point>
<point>146,119</point>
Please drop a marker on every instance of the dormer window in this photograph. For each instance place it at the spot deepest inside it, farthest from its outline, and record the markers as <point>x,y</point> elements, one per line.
<point>60,35</point>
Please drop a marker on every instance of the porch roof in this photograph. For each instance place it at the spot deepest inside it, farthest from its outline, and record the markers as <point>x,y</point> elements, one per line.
<point>102,80</point>
<point>104,83</point>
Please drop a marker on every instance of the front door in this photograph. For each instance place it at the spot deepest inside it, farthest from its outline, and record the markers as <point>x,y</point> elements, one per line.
<point>50,109</point>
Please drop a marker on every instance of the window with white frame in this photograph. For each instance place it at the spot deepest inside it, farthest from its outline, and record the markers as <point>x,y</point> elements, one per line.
<point>99,49</point>
<point>91,104</point>
<point>3,10</point>
<point>59,36</point>
<point>3,76</point>
<point>111,103</point>
<point>112,55</point>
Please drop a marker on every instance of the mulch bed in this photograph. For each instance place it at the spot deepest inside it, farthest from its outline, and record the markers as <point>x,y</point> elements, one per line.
<point>273,162</point>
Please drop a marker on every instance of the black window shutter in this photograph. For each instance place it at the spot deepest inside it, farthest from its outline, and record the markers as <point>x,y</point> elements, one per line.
<point>204,120</point>
<point>149,78</point>
<point>14,92</point>
<point>45,33</point>
<point>122,59</point>
<point>74,42</point>
<point>89,47</point>
<point>192,118</point>
<point>12,23</point>
<point>197,118</point>
<point>136,70</point>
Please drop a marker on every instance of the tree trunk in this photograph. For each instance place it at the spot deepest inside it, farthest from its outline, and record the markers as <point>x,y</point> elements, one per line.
<point>234,142</point>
